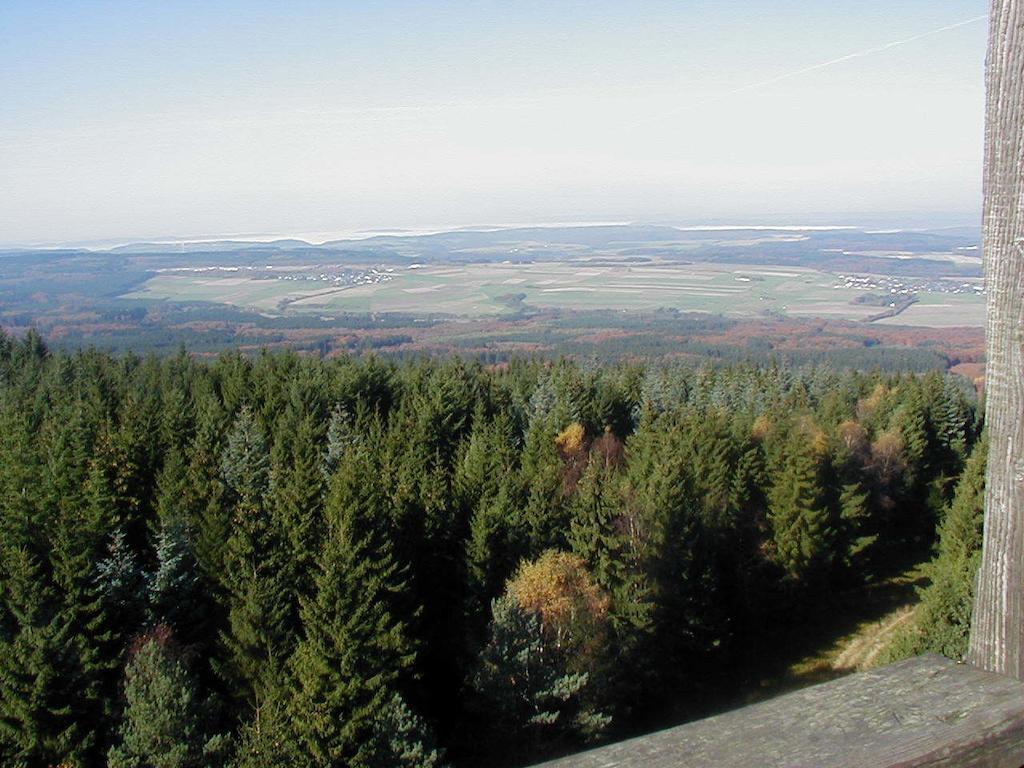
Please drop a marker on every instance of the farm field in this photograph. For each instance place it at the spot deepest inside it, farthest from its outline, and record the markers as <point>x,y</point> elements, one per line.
<point>942,310</point>
<point>615,290</point>
<point>248,292</point>
<point>494,289</point>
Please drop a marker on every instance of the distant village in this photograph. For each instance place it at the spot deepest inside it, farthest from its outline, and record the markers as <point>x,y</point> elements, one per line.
<point>906,286</point>
<point>335,275</point>
<point>344,277</point>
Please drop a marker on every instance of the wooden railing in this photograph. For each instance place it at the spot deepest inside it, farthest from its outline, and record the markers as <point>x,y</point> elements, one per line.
<point>927,711</point>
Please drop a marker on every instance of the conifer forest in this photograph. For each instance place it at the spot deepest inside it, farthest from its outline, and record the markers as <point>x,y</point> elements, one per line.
<point>288,560</point>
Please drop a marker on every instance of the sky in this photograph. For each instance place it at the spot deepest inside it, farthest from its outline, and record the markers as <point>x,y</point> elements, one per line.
<point>150,120</point>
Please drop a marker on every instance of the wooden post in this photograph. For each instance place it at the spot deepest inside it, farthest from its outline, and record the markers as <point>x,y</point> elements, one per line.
<point>997,630</point>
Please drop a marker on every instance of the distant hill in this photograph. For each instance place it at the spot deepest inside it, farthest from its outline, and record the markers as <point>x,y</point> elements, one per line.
<point>905,252</point>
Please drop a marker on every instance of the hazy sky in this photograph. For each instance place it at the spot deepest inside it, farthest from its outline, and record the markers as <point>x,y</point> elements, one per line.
<point>153,119</point>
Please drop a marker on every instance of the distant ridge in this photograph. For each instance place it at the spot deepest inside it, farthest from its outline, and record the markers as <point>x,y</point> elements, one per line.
<point>585,234</point>
<point>210,246</point>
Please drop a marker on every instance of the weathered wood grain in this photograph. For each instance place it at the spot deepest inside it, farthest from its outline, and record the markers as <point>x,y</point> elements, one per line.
<point>997,632</point>
<point>927,711</point>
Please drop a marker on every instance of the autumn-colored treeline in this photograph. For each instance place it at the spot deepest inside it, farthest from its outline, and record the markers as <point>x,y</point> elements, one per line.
<point>283,560</point>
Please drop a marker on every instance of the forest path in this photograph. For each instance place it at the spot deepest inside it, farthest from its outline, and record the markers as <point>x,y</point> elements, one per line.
<point>862,650</point>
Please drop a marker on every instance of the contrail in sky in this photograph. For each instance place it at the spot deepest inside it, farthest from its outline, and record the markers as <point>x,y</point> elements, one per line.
<point>812,68</point>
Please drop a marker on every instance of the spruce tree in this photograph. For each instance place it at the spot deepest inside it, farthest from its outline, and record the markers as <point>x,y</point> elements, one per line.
<point>679,607</point>
<point>207,491</point>
<point>911,421</point>
<point>120,582</point>
<point>853,518</point>
<point>545,514</point>
<point>342,438</point>
<point>98,578</point>
<point>493,549</point>
<point>486,486</point>
<point>246,459</point>
<point>175,590</point>
<point>942,619</point>
<point>595,533</point>
<point>952,421</point>
<point>266,737</point>
<point>46,701</point>
<point>604,532</point>
<point>354,650</point>
<point>801,528</point>
<point>260,636</point>
<point>175,496</point>
<point>486,461</point>
<point>713,470</point>
<point>298,502</point>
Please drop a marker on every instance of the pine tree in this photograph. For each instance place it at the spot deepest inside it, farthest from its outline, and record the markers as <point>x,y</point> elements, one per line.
<point>529,687</point>
<point>402,739</point>
<point>165,718</point>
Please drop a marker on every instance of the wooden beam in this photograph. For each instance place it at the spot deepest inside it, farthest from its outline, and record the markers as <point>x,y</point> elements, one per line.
<point>927,711</point>
<point>997,632</point>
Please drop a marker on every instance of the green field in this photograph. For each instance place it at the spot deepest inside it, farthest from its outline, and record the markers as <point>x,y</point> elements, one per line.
<point>943,310</point>
<point>487,289</point>
<point>248,292</point>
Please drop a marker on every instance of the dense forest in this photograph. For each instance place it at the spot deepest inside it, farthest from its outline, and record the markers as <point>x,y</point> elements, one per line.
<point>294,561</point>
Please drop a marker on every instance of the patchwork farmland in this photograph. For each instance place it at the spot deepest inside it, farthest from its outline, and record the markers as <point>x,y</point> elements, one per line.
<point>497,289</point>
